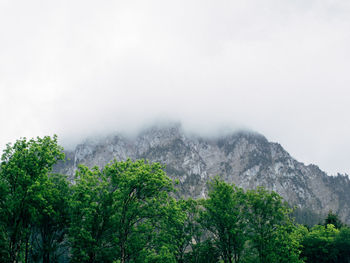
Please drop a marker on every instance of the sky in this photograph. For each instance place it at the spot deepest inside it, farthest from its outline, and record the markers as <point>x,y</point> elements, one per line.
<point>80,68</point>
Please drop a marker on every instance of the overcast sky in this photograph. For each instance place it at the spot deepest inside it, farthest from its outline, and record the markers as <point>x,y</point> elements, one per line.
<point>281,68</point>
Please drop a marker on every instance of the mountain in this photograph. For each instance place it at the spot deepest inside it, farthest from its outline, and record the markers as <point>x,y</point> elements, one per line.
<point>245,158</point>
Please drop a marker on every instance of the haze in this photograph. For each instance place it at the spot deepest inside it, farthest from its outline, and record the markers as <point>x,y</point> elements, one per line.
<point>79,68</point>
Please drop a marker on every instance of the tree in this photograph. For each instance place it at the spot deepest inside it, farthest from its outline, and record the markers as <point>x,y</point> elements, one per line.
<point>334,220</point>
<point>140,199</point>
<point>319,245</point>
<point>90,231</point>
<point>51,220</point>
<point>24,167</point>
<point>164,255</point>
<point>116,212</point>
<point>179,229</point>
<point>342,243</point>
<point>204,251</point>
<point>287,245</point>
<point>270,226</point>
<point>224,218</point>
<point>4,251</point>
<point>328,243</point>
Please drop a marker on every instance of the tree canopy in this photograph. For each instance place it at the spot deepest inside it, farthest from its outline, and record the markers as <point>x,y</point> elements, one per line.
<point>127,212</point>
<point>24,171</point>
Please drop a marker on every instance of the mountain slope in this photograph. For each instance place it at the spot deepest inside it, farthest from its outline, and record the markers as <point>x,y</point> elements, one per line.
<point>244,158</point>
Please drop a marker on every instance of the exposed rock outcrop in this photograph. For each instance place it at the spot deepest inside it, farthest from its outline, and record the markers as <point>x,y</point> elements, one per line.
<point>244,158</point>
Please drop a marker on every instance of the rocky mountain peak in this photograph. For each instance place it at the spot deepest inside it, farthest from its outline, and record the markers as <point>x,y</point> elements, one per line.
<point>245,158</point>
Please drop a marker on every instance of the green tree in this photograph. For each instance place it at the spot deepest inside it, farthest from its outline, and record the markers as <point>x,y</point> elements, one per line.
<point>164,255</point>
<point>50,220</point>
<point>180,230</point>
<point>270,226</point>
<point>140,198</point>
<point>24,168</point>
<point>90,231</point>
<point>224,218</point>
<point>287,245</point>
<point>204,251</point>
<point>342,243</point>
<point>319,245</point>
<point>4,251</point>
<point>334,220</point>
<point>116,212</point>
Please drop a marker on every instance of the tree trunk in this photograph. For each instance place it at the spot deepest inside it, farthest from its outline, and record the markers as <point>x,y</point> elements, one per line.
<point>27,249</point>
<point>122,249</point>
<point>46,257</point>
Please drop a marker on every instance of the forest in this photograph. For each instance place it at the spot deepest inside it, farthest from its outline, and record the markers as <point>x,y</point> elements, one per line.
<point>127,212</point>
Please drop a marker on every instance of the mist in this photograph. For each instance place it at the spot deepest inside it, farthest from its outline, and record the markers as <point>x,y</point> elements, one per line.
<point>82,68</point>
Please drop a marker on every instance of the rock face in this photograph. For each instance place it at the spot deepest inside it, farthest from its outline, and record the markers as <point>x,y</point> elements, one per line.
<point>244,158</point>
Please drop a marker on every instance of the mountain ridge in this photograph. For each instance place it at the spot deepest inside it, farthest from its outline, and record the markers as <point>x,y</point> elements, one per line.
<point>244,158</point>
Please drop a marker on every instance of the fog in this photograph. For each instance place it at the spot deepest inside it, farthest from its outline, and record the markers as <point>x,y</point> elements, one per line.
<point>81,68</point>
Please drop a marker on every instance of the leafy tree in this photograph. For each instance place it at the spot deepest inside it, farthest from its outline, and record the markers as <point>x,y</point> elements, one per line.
<point>319,245</point>
<point>24,168</point>
<point>90,231</point>
<point>164,255</point>
<point>333,219</point>
<point>116,212</point>
<point>140,199</point>
<point>4,251</point>
<point>287,245</point>
<point>50,221</point>
<point>270,226</point>
<point>180,230</point>
<point>329,242</point>
<point>342,243</point>
<point>4,255</point>
<point>224,218</point>
<point>204,251</point>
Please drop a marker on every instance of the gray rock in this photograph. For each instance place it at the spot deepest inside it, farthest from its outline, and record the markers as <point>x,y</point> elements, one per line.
<point>244,158</point>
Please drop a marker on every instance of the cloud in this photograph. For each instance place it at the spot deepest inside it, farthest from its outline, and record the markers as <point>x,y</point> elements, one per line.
<point>78,68</point>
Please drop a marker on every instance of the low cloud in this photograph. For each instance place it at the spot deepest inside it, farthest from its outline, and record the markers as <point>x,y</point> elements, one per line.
<point>82,68</point>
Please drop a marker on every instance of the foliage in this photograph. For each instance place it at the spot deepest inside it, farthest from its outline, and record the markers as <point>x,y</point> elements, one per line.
<point>125,212</point>
<point>342,243</point>
<point>24,172</point>
<point>162,256</point>
<point>319,244</point>
<point>140,197</point>
<point>179,227</point>
<point>287,245</point>
<point>224,217</point>
<point>333,219</point>
<point>90,211</point>
<point>327,244</point>
<point>204,251</point>
<point>51,220</point>
<point>270,227</point>
<point>116,212</point>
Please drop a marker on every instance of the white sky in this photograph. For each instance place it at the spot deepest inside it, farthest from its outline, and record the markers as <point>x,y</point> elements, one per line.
<point>281,68</point>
